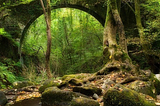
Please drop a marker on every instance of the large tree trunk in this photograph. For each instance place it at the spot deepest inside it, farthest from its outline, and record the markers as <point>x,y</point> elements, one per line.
<point>48,23</point>
<point>109,36</point>
<point>113,25</point>
<point>118,58</point>
<point>120,26</point>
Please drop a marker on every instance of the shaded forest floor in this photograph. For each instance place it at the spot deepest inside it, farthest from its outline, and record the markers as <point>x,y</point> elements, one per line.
<point>69,82</point>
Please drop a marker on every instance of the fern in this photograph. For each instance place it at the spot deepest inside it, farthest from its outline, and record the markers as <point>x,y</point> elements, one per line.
<point>6,76</point>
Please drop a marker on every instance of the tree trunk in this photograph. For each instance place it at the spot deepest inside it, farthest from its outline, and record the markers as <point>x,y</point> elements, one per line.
<point>48,23</point>
<point>139,24</point>
<point>109,37</point>
<point>118,58</point>
<point>120,26</point>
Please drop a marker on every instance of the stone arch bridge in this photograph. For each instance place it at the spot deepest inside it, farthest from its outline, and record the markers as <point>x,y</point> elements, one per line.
<point>16,19</point>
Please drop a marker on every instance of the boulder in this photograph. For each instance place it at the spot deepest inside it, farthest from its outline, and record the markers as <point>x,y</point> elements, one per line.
<point>53,96</point>
<point>49,83</point>
<point>3,99</point>
<point>123,96</point>
<point>89,91</point>
<point>75,82</point>
<point>80,76</point>
<point>81,101</point>
<point>21,84</point>
<point>143,87</point>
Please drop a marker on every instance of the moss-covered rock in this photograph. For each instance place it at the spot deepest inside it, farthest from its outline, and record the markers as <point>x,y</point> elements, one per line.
<point>3,99</point>
<point>81,101</point>
<point>156,83</point>
<point>53,96</point>
<point>21,84</point>
<point>49,83</point>
<point>76,76</point>
<point>143,87</point>
<point>75,82</point>
<point>122,96</point>
<point>89,91</point>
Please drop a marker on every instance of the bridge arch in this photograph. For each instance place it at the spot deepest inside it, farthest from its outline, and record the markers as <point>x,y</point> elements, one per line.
<point>91,12</point>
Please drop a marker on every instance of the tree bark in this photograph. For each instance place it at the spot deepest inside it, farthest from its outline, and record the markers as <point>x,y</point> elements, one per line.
<point>48,23</point>
<point>139,23</point>
<point>118,58</point>
<point>109,36</point>
<point>120,26</point>
<point>113,25</point>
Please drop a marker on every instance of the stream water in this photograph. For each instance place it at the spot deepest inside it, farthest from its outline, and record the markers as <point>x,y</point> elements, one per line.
<point>30,102</point>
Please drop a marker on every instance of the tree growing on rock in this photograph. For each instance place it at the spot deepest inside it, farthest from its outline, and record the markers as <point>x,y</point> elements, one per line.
<point>115,50</point>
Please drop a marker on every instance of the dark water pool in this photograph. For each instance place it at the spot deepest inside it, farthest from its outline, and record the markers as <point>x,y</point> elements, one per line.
<point>30,102</point>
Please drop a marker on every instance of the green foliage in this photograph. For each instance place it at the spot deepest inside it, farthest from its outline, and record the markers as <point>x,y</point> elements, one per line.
<point>6,76</point>
<point>76,42</point>
<point>152,23</point>
<point>32,73</point>
<point>4,34</point>
<point>8,3</point>
<point>8,70</point>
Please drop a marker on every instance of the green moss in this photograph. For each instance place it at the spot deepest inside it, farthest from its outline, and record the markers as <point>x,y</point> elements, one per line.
<point>68,77</point>
<point>143,87</point>
<point>122,96</point>
<point>125,57</point>
<point>156,83</point>
<point>76,76</point>
<point>76,82</point>
<point>48,83</point>
<point>21,84</point>
<point>53,96</point>
<point>81,101</point>
<point>87,90</point>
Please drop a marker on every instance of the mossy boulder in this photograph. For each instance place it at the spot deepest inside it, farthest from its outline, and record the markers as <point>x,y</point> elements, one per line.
<point>81,101</point>
<point>72,81</point>
<point>143,87</point>
<point>89,91</point>
<point>156,83</point>
<point>75,82</point>
<point>3,99</point>
<point>21,84</point>
<point>68,77</point>
<point>76,76</point>
<point>53,96</point>
<point>123,96</point>
<point>49,83</point>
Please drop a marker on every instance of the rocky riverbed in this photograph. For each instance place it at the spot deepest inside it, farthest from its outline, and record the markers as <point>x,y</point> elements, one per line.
<point>113,89</point>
